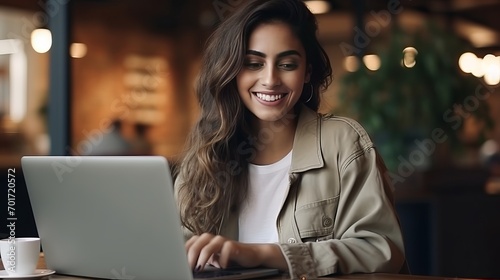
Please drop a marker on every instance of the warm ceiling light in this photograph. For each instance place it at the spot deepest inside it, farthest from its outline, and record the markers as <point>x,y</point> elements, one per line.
<point>467,62</point>
<point>41,40</point>
<point>409,57</point>
<point>78,50</point>
<point>491,69</point>
<point>351,63</point>
<point>372,62</point>
<point>318,6</point>
<point>478,71</point>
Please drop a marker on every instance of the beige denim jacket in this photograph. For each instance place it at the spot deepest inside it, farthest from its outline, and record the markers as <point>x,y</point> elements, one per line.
<point>339,214</point>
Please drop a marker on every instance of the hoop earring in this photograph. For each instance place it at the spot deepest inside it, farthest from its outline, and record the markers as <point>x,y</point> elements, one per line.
<point>312,92</point>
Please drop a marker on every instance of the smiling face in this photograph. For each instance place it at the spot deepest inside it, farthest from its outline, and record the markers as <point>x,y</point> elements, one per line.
<point>274,72</point>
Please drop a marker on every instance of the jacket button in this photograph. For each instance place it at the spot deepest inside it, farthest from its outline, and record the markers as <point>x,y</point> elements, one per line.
<point>303,277</point>
<point>327,221</point>
<point>292,240</point>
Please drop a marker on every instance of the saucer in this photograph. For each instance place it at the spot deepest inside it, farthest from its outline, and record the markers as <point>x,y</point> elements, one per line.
<point>36,274</point>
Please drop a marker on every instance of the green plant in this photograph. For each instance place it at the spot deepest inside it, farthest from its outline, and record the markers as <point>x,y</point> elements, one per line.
<point>399,104</point>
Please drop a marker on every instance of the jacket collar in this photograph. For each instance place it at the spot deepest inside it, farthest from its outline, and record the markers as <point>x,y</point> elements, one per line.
<point>306,144</point>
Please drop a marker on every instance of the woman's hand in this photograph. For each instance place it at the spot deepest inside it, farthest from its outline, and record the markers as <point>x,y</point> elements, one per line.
<point>220,252</point>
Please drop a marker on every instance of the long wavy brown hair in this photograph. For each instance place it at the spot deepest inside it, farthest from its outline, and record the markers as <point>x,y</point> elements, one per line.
<point>213,174</point>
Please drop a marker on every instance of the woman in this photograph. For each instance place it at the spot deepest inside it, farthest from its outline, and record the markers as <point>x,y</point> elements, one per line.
<point>266,180</point>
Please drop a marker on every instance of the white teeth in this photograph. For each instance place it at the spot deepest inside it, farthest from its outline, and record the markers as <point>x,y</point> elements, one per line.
<point>269,97</point>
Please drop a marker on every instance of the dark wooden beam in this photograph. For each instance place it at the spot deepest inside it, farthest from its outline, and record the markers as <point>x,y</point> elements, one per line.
<point>32,5</point>
<point>59,86</point>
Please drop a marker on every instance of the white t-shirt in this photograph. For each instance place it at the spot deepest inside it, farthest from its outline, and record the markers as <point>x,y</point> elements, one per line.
<point>268,187</point>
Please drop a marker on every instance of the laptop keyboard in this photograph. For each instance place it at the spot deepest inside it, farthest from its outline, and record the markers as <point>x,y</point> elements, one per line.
<point>214,273</point>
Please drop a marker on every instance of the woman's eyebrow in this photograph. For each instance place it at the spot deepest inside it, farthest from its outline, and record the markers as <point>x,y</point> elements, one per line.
<point>280,55</point>
<point>287,53</point>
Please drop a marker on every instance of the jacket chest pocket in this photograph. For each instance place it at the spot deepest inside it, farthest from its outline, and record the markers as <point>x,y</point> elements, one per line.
<point>315,220</point>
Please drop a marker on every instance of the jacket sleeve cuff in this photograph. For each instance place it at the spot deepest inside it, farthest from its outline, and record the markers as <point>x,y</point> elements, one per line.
<point>300,262</point>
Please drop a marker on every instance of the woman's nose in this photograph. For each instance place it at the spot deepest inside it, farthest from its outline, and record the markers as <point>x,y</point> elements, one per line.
<point>270,77</point>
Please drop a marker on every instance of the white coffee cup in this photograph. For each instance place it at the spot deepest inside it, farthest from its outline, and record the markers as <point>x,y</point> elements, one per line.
<point>20,255</point>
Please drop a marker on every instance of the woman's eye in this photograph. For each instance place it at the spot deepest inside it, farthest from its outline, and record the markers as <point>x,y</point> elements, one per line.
<point>288,66</point>
<point>253,65</point>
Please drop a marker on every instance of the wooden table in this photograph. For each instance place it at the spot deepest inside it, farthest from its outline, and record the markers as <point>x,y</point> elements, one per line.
<point>372,276</point>
<point>375,276</point>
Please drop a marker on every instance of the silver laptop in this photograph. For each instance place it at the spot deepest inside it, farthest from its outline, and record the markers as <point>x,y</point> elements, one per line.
<point>111,217</point>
